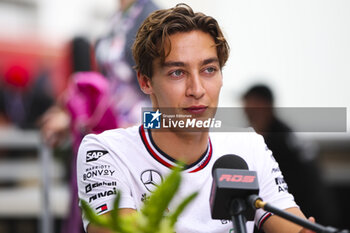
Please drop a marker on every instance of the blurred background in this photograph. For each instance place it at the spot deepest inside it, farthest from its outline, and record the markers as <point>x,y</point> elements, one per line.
<point>300,49</point>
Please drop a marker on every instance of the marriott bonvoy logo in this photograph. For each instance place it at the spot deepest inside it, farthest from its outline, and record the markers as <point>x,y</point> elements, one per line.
<point>157,120</point>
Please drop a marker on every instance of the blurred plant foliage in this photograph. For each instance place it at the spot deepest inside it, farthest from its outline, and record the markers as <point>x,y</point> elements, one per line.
<point>152,218</point>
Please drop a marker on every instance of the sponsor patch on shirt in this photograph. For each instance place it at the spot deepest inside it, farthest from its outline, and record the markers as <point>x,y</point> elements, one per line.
<point>103,194</point>
<point>101,208</point>
<point>94,155</point>
<point>90,187</point>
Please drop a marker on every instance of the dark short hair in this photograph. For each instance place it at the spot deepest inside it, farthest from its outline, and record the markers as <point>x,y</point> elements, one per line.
<point>261,91</point>
<point>158,26</point>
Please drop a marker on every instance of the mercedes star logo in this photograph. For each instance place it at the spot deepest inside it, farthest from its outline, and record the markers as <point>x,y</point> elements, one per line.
<point>151,179</point>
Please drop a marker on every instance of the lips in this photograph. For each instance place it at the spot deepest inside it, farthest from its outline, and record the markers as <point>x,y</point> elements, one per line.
<point>196,109</point>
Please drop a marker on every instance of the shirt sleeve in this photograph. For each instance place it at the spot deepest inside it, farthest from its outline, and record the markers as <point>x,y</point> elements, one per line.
<point>272,187</point>
<point>100,176</point>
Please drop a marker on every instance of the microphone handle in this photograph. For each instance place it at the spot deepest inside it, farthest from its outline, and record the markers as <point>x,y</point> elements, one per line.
<point>239,222</point>
<point>300,221</point>
<point>237,208</point>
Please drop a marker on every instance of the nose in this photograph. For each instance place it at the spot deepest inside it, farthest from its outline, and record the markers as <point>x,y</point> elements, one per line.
<point>194,87</point>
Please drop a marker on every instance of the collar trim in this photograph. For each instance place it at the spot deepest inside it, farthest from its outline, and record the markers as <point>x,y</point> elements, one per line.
<point>168,161</point>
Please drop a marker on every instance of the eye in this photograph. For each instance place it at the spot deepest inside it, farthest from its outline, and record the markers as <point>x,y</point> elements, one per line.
<point>210,70</point>
<point>177,73</point>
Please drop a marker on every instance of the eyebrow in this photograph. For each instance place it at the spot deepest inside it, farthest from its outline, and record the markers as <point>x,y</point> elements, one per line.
<point>210,60</point>
<point>173,63</point>
<point>182,64</point>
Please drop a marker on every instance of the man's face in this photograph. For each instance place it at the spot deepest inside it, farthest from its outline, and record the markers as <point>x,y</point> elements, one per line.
<point>190,78</point>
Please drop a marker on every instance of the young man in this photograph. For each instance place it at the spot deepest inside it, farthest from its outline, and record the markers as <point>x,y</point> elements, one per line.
<point>179,55</point>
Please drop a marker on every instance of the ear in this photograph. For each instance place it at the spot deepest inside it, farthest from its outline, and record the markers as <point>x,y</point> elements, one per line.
<point>144,83</point>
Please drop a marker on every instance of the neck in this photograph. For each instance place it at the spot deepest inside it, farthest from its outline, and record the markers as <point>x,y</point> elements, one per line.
<point>187,147</point>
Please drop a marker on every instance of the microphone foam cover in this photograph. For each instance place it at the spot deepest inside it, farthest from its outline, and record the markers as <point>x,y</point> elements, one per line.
<point>230,161</point>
